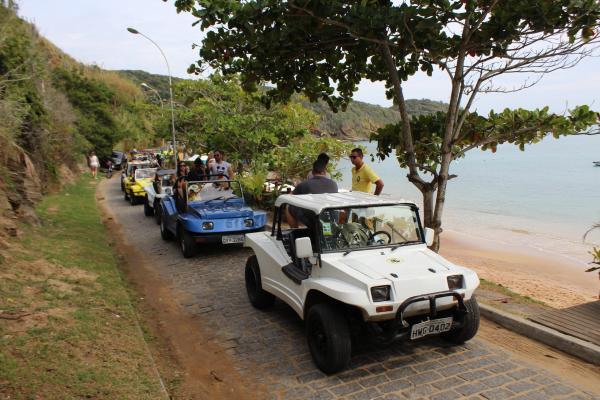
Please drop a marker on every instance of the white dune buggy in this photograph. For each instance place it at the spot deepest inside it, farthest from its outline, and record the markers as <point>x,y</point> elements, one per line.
<point>361,262</point>
<point>157,190</point>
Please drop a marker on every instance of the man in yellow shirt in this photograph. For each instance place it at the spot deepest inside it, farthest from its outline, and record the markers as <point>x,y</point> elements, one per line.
<point>363,177</point>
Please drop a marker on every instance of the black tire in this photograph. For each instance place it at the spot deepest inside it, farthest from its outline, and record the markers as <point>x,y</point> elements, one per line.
<point>157,213</point>
<point>186,243</point>
<point>148,211</point>
<point>132,200</point>
<point>470,324</point>
<point>258,297</point>
<point>122,186</point>
<point>125,196</point>
<point>328,335</point>
<point>165,233</point>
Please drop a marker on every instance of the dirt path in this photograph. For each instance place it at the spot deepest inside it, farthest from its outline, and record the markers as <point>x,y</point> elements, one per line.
<point>227,349</point>
<point>189,357</point>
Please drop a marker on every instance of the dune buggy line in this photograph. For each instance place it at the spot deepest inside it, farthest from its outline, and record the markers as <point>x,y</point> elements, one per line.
<point>361,266</point>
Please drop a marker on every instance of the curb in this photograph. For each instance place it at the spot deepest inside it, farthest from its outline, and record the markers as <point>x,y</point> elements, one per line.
<point>571,345</point>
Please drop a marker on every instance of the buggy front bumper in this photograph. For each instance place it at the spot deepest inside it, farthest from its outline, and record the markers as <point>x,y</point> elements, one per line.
<point>217,237</point>
<point>399,327</point>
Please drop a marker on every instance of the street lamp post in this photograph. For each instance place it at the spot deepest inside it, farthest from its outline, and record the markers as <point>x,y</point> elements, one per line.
<point>146,86</point>
<point>136,32</point>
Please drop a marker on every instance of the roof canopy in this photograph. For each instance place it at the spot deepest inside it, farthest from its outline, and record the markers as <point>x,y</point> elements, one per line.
<point>319,202</point>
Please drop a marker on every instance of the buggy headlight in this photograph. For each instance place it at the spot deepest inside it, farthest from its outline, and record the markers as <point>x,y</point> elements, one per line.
<point>380,293</point>
<point>455,282</point>
<point>208,225</point>
<point>248,222</point>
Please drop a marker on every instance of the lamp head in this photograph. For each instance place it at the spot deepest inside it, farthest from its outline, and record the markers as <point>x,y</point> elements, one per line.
<point>132,30</point>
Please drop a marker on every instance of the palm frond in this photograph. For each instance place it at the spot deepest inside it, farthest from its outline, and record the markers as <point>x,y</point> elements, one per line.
<point>595,226</point>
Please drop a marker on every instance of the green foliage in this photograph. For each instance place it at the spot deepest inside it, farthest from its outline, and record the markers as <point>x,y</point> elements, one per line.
<point>325,48</point>
<point>360,120</point>
<point>518,127</point>
<point>294,160</point>
<point>357,122</point>
<point>290,162</point>
<point>92,100</point>
<point>218,114</point>
<point>158,82</point>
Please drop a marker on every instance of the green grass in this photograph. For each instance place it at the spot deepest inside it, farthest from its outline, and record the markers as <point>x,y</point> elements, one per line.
<point>503,290</point>
<point>80,339</point>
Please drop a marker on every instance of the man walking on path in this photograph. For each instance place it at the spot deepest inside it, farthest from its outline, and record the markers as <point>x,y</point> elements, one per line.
<point>362,175</point>
<point>319,183</point>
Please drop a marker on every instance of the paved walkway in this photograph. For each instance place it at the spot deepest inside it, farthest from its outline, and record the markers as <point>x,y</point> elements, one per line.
<point>270,347</point>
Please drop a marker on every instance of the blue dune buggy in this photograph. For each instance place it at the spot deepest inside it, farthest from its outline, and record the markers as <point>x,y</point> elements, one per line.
<point>211,211</point>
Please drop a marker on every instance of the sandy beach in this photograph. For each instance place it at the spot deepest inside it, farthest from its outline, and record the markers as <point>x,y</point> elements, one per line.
<point>557,281</point>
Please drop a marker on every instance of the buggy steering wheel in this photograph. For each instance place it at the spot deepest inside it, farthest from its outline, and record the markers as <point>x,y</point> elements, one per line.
<point>380,240</point>
<point>359,236</point>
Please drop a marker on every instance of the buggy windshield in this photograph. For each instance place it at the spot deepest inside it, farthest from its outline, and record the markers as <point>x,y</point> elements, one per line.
<point>213,190</point>
<point>133,167</point>
<point>367,227</point>
<point>145,173</point>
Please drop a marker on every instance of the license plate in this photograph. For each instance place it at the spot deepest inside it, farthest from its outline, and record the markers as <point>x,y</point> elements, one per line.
<point>431,327</point>
<point>232,239</point>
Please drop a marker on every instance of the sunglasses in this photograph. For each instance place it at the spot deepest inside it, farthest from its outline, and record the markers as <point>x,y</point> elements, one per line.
<point>353,157</point>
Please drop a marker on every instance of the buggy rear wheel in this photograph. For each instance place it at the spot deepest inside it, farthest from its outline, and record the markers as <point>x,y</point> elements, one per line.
<point>157,212</point>
<point>165,233</point>
<point>148,211</point>
<point>258,297</point>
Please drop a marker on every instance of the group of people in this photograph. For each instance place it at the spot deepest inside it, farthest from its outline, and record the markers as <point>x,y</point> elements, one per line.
<point>318,181</point>
<point>215,168</point>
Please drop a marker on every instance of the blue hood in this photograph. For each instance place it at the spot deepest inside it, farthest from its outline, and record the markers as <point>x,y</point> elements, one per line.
<point>219,212</point>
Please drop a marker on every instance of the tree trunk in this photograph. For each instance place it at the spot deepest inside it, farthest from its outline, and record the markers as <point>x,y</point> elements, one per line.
<point>428,207</point>
<point>440,199</point>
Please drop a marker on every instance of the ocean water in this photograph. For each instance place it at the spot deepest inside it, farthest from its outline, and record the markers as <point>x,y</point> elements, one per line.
<point>545,197</point>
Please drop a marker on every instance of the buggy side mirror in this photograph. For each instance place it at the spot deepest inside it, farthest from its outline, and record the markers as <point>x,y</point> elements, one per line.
<point>304,247</point>
<point>429,235</point>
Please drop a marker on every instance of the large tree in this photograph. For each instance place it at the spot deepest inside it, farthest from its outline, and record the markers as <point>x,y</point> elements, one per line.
<point>325,48</point>
<point>217,114</point>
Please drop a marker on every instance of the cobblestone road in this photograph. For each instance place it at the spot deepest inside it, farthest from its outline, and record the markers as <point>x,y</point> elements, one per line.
<point>270,347</point>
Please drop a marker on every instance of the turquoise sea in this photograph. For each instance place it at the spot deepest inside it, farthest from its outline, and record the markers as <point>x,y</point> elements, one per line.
<point>545,197</point>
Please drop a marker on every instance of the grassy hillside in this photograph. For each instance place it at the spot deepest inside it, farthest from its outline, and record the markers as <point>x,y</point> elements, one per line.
<point>361,119</point>
<point>358,121</point>
<point>67,326</point>
<point>158,82</point>
<point>53,110</point>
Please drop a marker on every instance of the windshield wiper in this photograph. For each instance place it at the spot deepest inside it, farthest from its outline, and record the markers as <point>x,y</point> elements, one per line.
<point>404,244</point>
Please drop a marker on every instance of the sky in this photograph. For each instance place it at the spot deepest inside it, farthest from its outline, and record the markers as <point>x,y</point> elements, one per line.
<point>94,32</point>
